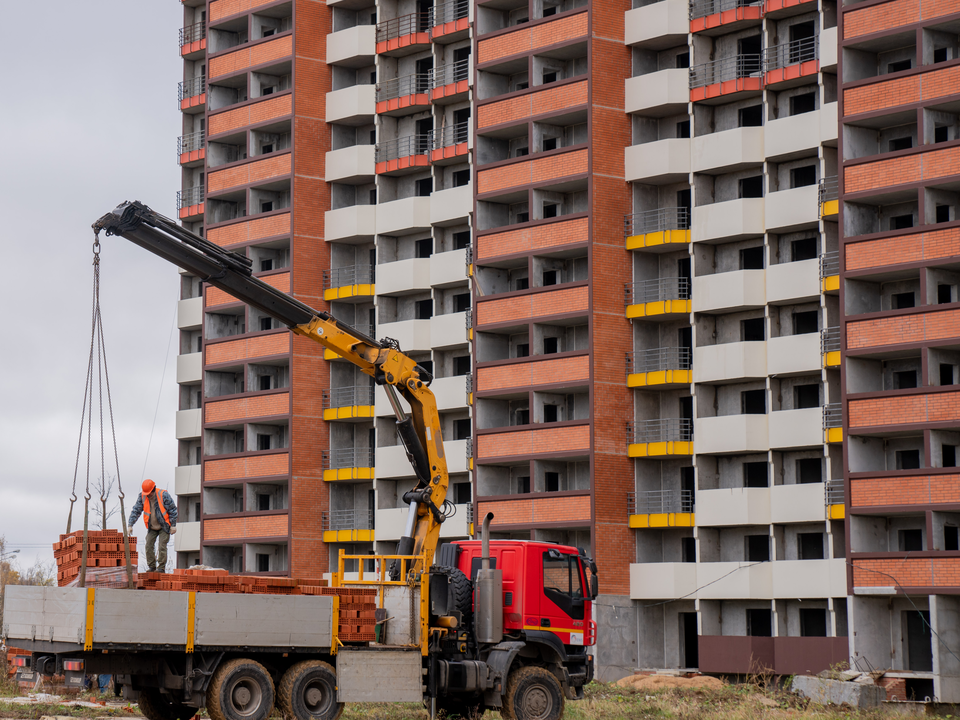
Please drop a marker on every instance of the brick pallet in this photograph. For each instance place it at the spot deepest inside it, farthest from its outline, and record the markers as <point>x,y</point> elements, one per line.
<point>105,549</point>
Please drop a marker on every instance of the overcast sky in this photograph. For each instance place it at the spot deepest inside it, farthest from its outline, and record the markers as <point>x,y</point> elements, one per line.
<point>91,121</point>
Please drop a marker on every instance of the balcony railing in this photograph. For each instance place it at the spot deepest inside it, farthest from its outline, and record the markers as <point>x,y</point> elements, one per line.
<point>351,275</point>
<point>829,340</point>
<point>834,492</point>
<point>468,318</point>
<point>646,291</point>
<point>348,458</point>
<point>190,196</point>
<point>469,512</point>
<point>469,448</point>
<point>404,147</point>
<point>832,415</point>
<point>468,259</point>
<point>790,53</point>
<point>666,430</point>
<point>191,142</point>
<point>829,189</point>
<point>348,520</point>
<point>348,396</point>
<point>675,218</point>
<point>404,25</point>
<point>724,69</point>
<point>702,8</point>
<point>830,264</point>
<point>468,382</point>
<point>657,359</point>
<point>403,86</point>
<point>451,135</point>
<point>649,502</point>
<point>192,33</point>
<point>192,87</point>
<point>451,73</point>
<point>450,11</point>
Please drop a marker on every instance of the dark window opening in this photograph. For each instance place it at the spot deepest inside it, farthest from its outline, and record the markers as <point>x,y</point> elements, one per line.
<point>266,148</point>
<point>759,623</point>
<point>919,653</point>
<point>196,511</point>
<point>523,217</point>
<point>751,187</point>
<point>423,309</point>
<point>550,143</point>
<point>266,206</point>
<point>523,417</point>
<point>523,350</point>
<point>523,484</point>
<point>688,549</point>
<point>803,249</point>
<point>424,248</point>
<point>752,330</point>
<point>683,60</point>
<point>813,622</point>
<point>803,176</point>
<point>548,11</point>
<point>426,365</point>
<point>461,429</point>
<point>949,455</point>
<point>521,284</point>
<point>551,210</point>
<point>910,540</point>
<point>461,302</point>
<point>946,374</point>
<point>461,178</point>
<point>424,187</point>
<point>266,265</point>
<point>751,258</point>
<point>263,562</point>
<point>758,548</point>
<point>549,77</point>
<point>263,502</point>
<point>750,116</point>
<point>806,396</point>
<point>753,402</point>
<point>800,104</point>
<point>904,379</point>
<point>944,294</point>
<point>521,152</point>
<point>461,365</point>
<point>940,55</point>
<point>264,382</point>
<point>809,470</point>
<point>550,413</point>
<point>461,240</point>
<point>951,538</point>
<point>461,493</point>
<point>683,129</point>
<point>810,546</point>
<point>551,482</point>
<point>903,143</point>
<point>943,213</point>
<point>755,475</point>
<point>902,301</point>
<point>551,345</point>
<point>901,222</point>
<point>266,323</point>
<point>941,133</point>
<point>549,277</point>
<point>373,197</point>
<point>263,442</point>
<point>908,459</point>
<point>899,66</point>
<point>806,322</point>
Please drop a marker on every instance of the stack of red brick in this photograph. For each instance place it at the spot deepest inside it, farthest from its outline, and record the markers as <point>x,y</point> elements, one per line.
<point>12,652</point>
<point>358,608</point>
<point>220,581</point>
<point>105,550</point>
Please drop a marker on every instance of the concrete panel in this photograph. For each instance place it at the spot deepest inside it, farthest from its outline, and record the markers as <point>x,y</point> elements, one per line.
<point>728,220</point>
<point>448,268</point>
<point>352,165</point>
<point>450,392</point>
<point>796,428</point>
<point>190,367</point>
<point>457,526</point>
<point>617,654</point>
<point>189,423</point>
<point>728,291</point>
<point>663,161</point>
<point>793,282</point>
<point>354,105</point>
<point>660,93</point>
<point>792,135</point>
<point>729,362</point>
<point>353,47</point>
<point>413,335</point>
<point>828,48</point>
<point>186,480</point>
<point>390,523</point>
<point>451,206</point>
<point>792,209</point>
<point>797,503</point>
<point>658,581</point>
<point>733,506</point>
<point>793,354</point>
<point>404,626</point>
<point>800,579</point>
<point>187,538</point>
<point>828,122</point>
<point>355,224</point>
<point>45,613</point>
<point>823,691</point>
<point>456,452</point>
<point>190,313</point>
<point>403,217</point>
<point>118,616</point>
<point>658,25</point>
<point>730,434</point>
<point>372,674</point>
<point>735,581</point>
<point>448,331</point>
<point>403,276</point>
<point>295,621</point>
<point>728,150</point>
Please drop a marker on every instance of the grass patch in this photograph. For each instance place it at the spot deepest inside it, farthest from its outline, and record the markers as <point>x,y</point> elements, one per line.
<point>35,712</point>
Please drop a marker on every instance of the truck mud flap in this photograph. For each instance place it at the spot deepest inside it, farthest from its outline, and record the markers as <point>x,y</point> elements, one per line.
<point>376,675</point>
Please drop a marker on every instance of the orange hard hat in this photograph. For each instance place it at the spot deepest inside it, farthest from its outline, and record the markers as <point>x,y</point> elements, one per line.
<point>148,485</point>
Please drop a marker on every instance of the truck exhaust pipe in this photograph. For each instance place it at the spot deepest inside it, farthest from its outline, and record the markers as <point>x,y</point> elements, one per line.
<point>488,594</point>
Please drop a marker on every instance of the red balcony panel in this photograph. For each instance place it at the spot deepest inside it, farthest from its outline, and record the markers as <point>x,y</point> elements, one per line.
<point>808,655</point>
<point>792,72</point>
<point>404,41</point>
<point>728,87</point>
<point>457,88</point>
<point>399,103</point>
<point>726,17</point>
<point>402,163</point>
<point>449,152</point>
<point>193,156</point>
<point>736,654</point>
<point>191,212</point>
<point>193,102</point>
<point>191,48</point>
<point>772,6</point>
<point>448,28</point>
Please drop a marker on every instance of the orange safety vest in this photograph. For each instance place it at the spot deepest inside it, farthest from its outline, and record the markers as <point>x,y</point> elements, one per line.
<point>146,508</point>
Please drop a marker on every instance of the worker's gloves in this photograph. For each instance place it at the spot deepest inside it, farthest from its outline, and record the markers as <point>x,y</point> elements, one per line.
<point>173,530</point>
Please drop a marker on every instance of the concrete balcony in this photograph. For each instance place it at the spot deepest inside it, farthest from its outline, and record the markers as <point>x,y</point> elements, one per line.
<point>391,462</point>
<point>794,209</point>
<point>190,368</point>
<point>186,480</point>
<point>351,165</point>
<point>448,331</point>
<point>189,424</point>
<point>793,282</point>
<point>728,151</point>
<point>734,581</point>
<point>658,94</point>
<point>456,453</point>
<point>797,503</point>
<point>796,428</point>
<point>391,523</point>
<point>727,221</point>
<point>403,276</point>
<point>829,126</point>
<point>794,354</point>
<point>451,206</point>
<point>187,538</point>
<point>354,47</point>
<point>800,579</point>
<point>448,268</point>
<point>450,393</point>
<point>403,217</point>
<point>190,313</point>
<point>729,291</point>
<point>660,162</point>
<point>354,224</point>
<point>729,362</point>
<point>413,335</point>
<point>353,105</point>
<point>793,136</point>
<point>657,26</point>
<point>657,581</point>
<point>728,434</point>
<point>733,506</point>
<point>828,49</point>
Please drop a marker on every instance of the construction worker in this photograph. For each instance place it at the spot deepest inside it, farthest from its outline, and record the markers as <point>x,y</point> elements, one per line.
<point>160,517</point>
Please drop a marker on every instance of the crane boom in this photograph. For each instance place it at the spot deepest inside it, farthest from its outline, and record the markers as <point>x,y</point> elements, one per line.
<point>382,360</point>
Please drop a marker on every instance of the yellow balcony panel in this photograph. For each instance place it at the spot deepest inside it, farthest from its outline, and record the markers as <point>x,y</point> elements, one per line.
<point>660,378</point>
<point>664,240</point>
<point>349,291</point>
<point>350,412</point>
<point>830,209</point>
<point>831,359</point>
<point>661,520</point>
<point>831,284</point>
<point>346,536</point>
<point>660,449</point>
<point>833,435</point>
<point>837,512</point>
<point>347,474</point>
<point>662,308</point>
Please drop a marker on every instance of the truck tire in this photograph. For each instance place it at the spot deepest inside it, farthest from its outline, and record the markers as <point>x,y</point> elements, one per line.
<point>533,693</point>
<point>241,689</point>
<point>461,588</point>
<point>155,706</point>
<point>308,691</point>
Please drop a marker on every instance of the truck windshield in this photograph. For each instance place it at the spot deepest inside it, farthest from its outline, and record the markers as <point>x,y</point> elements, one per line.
<point>561,575</point>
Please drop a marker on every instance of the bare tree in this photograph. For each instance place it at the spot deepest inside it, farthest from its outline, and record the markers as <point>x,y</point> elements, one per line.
<point>104,486</point>
<point>10,573</point>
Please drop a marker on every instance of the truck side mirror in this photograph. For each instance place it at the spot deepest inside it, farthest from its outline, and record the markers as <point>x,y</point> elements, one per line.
<point>594,587</point>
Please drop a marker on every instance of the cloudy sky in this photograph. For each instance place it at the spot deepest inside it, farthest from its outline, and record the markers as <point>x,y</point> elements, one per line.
<point>91,121</point>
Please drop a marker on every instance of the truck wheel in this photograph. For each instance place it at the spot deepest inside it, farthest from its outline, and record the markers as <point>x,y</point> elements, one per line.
<point>155,706</point>
<point>241,689</point>
<point>460,587</point>
<point>308,690</point>
<point>533,693</point>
